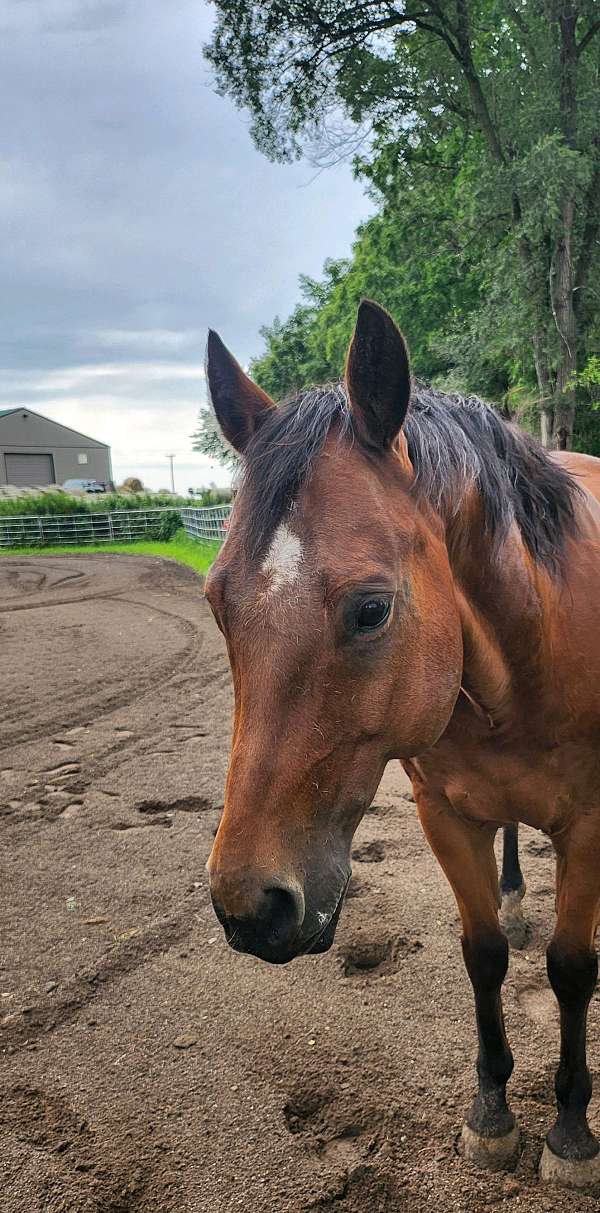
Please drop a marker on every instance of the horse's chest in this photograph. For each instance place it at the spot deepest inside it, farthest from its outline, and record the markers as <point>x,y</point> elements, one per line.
<point>542,789</point>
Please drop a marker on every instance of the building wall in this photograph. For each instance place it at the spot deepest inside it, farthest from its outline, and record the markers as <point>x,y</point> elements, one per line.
<point>24,432</point>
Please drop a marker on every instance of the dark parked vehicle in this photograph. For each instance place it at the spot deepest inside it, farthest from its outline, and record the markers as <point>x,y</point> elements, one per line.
<point>85,486</point>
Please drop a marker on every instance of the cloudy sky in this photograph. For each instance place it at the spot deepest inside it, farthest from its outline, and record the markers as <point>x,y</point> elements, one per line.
<point>135,214</point>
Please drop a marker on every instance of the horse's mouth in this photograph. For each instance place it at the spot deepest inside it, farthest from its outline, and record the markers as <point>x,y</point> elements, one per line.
<point>325,937</point>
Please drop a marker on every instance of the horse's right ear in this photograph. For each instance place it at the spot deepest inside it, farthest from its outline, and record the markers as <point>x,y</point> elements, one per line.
<point>377,376</point>
<point>240,405</point>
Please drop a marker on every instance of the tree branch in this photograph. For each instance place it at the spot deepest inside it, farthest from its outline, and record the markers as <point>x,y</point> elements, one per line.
<point>439,33</point>
<point>587,38</point>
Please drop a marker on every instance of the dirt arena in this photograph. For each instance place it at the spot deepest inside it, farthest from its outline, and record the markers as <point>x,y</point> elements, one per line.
<point>144,1067</point>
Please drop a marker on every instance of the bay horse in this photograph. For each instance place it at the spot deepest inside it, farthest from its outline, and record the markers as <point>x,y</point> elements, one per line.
<point>408,576</point>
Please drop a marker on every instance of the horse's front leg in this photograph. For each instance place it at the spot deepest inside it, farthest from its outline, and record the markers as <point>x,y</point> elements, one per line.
<point>572,1153</point>
<point>466,853</point>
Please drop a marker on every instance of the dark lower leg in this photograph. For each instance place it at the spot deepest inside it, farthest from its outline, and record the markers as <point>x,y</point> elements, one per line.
<point>511,880</point>
<point>573,978</point>
<point>487,961</point>
<point>512,888</point>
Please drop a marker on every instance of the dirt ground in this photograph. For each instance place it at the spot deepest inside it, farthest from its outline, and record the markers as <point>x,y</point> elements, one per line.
<point>146,1068</point>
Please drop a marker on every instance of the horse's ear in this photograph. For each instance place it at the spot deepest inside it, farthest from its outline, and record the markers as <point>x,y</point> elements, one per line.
<point>377,376</point>
<point>240,405</point>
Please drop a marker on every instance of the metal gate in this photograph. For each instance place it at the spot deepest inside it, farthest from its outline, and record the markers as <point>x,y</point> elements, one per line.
<point>120,526</point>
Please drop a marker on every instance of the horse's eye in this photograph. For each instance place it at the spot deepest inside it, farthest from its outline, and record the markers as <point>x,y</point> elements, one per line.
<point>372,614</point>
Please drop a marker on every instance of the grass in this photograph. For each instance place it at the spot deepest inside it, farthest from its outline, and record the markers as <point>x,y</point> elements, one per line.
<point>197,553</point>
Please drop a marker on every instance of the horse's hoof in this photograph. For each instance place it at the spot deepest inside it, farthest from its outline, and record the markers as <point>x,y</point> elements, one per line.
<point>517,931</point>
<point>514,925</point>
<point>491,1153</point>
<point>581,1173</point>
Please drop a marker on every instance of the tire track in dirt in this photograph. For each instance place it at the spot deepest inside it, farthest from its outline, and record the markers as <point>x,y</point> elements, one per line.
<point>13,607</point>
<point>23,1027</point>
<point>210,682</point>
<point>22,579</point>
<point>68,782</point>
<point>103,764</point>
<point>125,577</point>
<point>101,703</point>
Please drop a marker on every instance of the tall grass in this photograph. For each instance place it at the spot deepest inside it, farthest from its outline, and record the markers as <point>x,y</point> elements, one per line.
<point>43,503</point>
<point>59,502</point>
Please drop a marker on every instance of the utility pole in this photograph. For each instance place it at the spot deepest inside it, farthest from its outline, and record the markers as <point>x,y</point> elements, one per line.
<point>171,458</point>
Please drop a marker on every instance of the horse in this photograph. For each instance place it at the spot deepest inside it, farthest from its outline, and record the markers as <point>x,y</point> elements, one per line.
<point>409,576</point>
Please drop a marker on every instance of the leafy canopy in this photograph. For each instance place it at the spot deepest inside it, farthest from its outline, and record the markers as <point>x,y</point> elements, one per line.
<point>480,135</point>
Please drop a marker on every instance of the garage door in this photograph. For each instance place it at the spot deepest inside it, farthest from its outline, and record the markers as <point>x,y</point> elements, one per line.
<point>26,470</point>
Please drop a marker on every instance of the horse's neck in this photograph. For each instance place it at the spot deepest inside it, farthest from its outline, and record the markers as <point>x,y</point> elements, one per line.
<point>531,657</point>
<point>502,603</point>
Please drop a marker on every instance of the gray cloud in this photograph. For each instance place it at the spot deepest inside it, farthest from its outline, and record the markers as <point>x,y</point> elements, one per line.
<point>70,16</point>
<point>137,211</point>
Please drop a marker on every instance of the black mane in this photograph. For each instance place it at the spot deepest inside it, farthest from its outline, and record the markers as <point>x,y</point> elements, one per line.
<point>454,442</point>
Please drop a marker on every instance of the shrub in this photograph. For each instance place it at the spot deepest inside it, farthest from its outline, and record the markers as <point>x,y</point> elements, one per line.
<point>164,526</point>
<point>212,496</point>
<point>132,501</point>
<point>59,502</point>
<point>55,502</point>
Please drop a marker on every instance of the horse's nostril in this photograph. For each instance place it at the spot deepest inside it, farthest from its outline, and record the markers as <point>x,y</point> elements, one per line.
<point>269,925</point>
<point>280,914</point>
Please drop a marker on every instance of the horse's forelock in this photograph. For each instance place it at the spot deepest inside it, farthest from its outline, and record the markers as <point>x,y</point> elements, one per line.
<point>282,455</point>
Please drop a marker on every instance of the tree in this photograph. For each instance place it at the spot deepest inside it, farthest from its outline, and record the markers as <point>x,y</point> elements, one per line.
<point>512,83</point>
<point>207,439</point>
<point>438,272</point>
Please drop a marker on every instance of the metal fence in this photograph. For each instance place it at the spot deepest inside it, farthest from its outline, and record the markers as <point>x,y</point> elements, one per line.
<point>119,526</point>
<point>207,522</point>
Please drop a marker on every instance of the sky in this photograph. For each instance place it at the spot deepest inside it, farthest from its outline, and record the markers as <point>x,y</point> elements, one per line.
<point>137,213</point>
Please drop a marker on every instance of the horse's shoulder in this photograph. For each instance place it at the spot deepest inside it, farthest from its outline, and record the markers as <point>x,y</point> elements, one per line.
<point>585,468</point>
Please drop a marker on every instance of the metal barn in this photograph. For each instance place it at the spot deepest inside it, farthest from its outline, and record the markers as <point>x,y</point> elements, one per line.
<point>37,451</point>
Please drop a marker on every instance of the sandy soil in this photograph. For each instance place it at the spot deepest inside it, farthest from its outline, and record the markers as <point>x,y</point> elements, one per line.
<point>144,1067</point>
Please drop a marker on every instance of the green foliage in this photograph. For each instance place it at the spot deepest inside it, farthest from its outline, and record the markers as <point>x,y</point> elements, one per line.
<point>589,379</point>
<point>420,258</point>
<point>133,501</point>
<point>586,436</point>
<point>208,441</point>
<point>163,526</point>
<point>43,503</point>
<point>64,503</point>
<point>212,496</point>
<point>482,156</point>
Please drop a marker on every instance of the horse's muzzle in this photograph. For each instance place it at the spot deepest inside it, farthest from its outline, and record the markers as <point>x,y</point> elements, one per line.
<point>275,932</point>
<point>271,930</point>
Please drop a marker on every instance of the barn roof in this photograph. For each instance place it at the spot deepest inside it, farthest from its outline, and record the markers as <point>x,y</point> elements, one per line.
<point>24,408</point>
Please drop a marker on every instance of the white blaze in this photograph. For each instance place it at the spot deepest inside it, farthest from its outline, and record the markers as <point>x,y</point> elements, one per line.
<point>283,559</point>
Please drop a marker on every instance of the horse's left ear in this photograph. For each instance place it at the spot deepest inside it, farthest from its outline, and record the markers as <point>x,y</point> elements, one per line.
<point>240,405</point>
<point>377,376</point>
